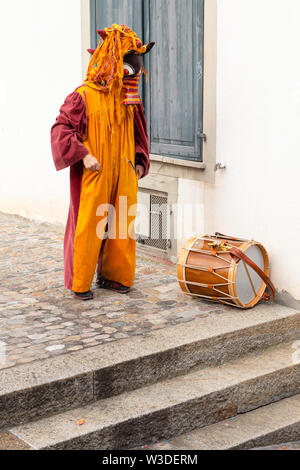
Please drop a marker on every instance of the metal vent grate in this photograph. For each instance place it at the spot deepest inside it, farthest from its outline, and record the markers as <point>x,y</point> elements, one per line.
<point>158,224</point>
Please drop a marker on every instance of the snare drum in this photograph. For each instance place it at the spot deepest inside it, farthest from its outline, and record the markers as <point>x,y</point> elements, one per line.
<point>225,269</point>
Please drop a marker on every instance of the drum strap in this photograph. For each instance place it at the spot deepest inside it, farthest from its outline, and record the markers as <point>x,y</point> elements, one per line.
<point>227,237</point>
<point>241,256</point>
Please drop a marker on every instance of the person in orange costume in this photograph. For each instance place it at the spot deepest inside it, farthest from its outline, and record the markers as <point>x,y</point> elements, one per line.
<point>101,135</point>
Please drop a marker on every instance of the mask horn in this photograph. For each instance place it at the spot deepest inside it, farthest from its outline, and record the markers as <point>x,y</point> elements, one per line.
<point>91,51</point>
<point>149,47</point>
<point>102,33</point>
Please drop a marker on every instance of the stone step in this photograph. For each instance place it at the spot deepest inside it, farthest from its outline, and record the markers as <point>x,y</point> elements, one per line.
<point>275,423</point>
<point>202,397</point>
<point>10,442</point>
<point>42,388</point>
<point>282,446</point>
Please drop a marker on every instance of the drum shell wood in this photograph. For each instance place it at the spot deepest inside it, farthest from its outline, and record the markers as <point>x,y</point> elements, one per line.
<point>197,267</point>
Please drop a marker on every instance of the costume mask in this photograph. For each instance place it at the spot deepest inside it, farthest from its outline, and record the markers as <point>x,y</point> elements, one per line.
<point>118,62</point>
<point>133,65</point>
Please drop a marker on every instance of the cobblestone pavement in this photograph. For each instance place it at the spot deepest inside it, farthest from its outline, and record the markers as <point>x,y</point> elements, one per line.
<point>41,319</point>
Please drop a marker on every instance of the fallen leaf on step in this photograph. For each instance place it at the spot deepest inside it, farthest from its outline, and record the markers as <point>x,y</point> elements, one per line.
<point>81,422</point>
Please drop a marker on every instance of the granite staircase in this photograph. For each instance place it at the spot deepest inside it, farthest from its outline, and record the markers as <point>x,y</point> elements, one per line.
<point>227,381</point>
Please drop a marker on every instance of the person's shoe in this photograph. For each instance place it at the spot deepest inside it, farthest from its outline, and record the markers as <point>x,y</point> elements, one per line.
<point>84,295</point>
<point>103,283</point>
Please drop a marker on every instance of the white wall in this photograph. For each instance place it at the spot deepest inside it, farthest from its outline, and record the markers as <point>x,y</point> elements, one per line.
<point>258,137</point>
<point>194,211</point>
<point>40,66</point>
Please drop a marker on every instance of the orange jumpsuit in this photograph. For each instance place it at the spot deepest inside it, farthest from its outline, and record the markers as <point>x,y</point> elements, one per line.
<point>95,122</point>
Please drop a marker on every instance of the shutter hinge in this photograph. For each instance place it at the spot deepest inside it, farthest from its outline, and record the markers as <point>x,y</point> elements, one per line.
<point>201,135</point>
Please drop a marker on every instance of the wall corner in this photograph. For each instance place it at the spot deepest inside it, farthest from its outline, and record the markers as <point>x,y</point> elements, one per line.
<point>210,87</point>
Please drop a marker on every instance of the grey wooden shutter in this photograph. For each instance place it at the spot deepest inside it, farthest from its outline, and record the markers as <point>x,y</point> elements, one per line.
<point>106,12</point>
<point>175,97</point>
<point>174,94</point>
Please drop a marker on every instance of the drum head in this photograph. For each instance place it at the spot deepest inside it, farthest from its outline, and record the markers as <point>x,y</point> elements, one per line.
<point>244,289</point>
